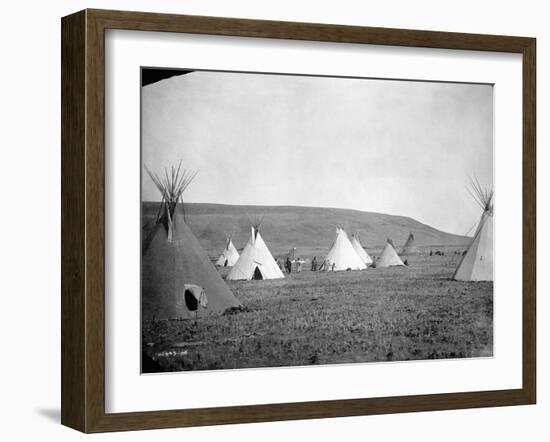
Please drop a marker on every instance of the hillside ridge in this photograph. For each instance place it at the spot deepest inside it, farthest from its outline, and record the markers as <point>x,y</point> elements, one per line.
<point>308,228</point>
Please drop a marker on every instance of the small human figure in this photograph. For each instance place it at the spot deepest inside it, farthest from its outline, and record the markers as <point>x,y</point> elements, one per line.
<point>431,253</point>
<point>288,265</point>
<point>299,265</point>
<point>314,264</point>
<point>333,265</point>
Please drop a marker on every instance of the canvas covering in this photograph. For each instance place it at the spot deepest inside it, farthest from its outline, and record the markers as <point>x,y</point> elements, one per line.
<point>229,256</point>
<point>389,257</point>
<point>477,263</point>
<point>169,267</point>
<point>255,257</point>
<point>360,250</point>
<point>342,255</point>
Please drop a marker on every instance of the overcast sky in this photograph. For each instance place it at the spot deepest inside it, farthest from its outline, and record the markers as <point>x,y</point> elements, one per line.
<point>398,147</point>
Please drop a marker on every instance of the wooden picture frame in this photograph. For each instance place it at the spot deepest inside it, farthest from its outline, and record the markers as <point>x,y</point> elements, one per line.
<point>83,220</point>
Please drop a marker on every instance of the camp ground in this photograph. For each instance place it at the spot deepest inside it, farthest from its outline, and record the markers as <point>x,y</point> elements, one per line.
<point>216,306</point>
<point>329,223</point>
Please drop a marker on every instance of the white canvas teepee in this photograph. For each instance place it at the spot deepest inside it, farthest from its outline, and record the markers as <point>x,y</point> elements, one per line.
<point>256,261</point>
<point>342,255</point>
<point>389,257</point>
<point>360,250</point>
<point>229,256</point>
<point>477,263</point>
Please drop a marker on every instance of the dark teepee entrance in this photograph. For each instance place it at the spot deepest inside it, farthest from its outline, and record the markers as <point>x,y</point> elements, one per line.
<point>257,274</point>
<point>191,302</point>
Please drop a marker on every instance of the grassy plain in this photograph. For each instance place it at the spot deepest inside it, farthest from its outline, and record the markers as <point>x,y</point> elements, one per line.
<point>387,314</point>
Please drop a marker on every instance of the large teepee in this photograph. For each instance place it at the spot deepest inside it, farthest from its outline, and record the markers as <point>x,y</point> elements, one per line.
<point>342,255</point>
<point>389,257</point>
<point>477,263</point>
<point>358,247</point>
<point>256,261</point>
<point>178,280</point>
<point>409,247</point>
<point>229,256</point>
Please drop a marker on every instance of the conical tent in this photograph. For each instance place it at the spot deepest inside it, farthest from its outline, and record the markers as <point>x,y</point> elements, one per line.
<point>477,263</point>
<point>389,257</point>
<point>360,250</point>
<point>256,261</point>
<point>229,256</point>
<point>342,255</point>
<point>409,247</point>
<point>178,280</point>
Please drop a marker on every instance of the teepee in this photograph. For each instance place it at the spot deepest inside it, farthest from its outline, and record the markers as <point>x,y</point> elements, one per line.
<point>177,278</point>
<point>389,256</point>
<point>409,247</point>
<point>229,256</point>
<point>477,263</point>
<point>358,247</point>
<point>256,261</point>
<point>342,255</point>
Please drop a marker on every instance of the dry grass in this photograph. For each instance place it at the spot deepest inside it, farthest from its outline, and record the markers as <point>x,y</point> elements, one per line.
<point>390,314</point>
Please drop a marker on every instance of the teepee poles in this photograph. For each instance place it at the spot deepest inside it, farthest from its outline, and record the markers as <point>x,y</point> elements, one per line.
<point>482,196</point>
<point>171,186</point>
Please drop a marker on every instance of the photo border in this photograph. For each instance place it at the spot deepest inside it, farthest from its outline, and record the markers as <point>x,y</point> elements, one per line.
<point>83,219</point>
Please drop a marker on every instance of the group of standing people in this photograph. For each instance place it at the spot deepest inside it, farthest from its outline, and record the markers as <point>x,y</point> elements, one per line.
<point>288,265</point>
<point>298,267</point>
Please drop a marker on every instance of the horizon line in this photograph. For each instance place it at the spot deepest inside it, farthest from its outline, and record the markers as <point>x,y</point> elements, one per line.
<point>317,207</point>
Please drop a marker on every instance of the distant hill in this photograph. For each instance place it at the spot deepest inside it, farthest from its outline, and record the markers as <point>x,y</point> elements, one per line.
<point>310,229</point>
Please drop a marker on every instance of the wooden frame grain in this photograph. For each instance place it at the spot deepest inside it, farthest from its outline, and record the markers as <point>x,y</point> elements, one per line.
<point>83,218</point>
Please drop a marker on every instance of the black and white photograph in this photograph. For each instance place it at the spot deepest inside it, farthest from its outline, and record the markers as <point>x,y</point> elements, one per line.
<point>270,221</point>
<point>295,220</point>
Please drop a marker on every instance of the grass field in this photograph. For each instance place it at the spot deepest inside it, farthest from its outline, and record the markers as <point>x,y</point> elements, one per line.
<point>387,314</point>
